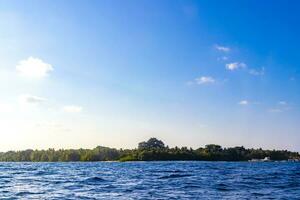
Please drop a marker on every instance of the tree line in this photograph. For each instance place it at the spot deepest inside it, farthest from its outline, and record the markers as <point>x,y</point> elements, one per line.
<point>151,150</point>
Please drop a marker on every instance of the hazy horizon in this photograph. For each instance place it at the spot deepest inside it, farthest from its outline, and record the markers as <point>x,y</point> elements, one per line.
<point>114,73</point>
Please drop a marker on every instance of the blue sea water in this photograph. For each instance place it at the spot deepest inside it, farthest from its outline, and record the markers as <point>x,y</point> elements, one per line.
<point>150,180</point>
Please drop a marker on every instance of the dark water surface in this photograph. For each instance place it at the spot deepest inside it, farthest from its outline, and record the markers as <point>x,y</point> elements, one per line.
<point>150,180</point>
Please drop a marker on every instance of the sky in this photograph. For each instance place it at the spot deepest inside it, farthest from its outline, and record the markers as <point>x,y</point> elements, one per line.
<point>78,74</point>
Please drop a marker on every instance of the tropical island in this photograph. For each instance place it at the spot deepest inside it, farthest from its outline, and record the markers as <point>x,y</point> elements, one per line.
<point>151,150</point>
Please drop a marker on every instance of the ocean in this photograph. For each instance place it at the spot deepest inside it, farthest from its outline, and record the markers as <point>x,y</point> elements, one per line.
<point>150,180</point>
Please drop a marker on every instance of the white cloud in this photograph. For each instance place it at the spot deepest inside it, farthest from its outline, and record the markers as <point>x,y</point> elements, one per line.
<point>30,99</point>
<point>72,109</point>
<point>235,65</point>
<point>275,110</point>
<point>255,72</point>
<point>223,58</point>
<point>205,80</point>
<point>244,102</point>
<point>282,106</point>
<point>222,48</point>
<point>33,68</point>
<point>283,103</point>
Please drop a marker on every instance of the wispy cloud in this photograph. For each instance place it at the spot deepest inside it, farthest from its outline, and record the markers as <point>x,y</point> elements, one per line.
<point>295,75</point>
<point>223,58</point>
<point>205,80</point>
<point>256,72</point>
<point>202,80</point>
<point>235,65</point>
<point>31,99</point>
<point>33,68</point>
<point>222,48</point>
<point>282,106</point>
<point>72,109</point>
<point>275,110</point>
<point>244,102</point>
<point>282,103</point>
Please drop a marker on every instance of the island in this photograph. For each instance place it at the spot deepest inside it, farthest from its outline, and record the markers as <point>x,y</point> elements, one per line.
<point>151,150</point>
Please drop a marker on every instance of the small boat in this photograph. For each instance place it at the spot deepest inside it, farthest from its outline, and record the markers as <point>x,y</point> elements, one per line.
<point>266,159</point>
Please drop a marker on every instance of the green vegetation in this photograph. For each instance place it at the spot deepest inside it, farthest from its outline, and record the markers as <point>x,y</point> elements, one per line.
<point>151,150</point>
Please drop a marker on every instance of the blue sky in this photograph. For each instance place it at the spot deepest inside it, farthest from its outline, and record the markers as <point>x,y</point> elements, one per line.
<point>114,73</point>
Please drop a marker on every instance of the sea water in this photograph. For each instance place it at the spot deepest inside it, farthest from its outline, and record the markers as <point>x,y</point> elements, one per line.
<point>150,180</point>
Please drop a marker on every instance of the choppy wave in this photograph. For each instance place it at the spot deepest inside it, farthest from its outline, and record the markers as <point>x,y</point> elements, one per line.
<point>174,176</point>
<point>150,180</point>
